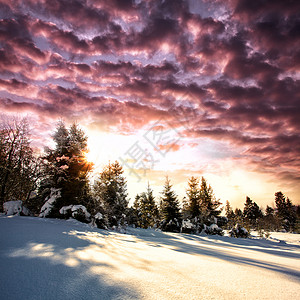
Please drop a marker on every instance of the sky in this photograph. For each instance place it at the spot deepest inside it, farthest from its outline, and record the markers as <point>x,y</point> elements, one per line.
<point>168,88</point>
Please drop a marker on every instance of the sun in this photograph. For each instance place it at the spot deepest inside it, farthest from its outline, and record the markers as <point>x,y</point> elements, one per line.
<point>96,152</point>
<point>104,147</point>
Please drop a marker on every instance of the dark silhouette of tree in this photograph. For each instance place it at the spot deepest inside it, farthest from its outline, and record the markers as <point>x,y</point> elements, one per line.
<point>209,205</point>
<point>297,223</point>
<point>229,214</point>
<point>238,216</point>
<point>269,222</point>
<point>170,209</point>
<point>285,211</point>
<point>251,213</point>
<point>193,198</point>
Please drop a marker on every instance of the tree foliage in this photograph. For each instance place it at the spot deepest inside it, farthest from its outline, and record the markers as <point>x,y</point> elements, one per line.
<point>285,211</point>
<point>67,168</point>
<point>193,197</point>
<point>251,213</point>
<point>201,208</point>
<point>170,209</point>
<point>230,215</point>
<point>146,209</point>
<point>209,205</point>
<point>111,192</point>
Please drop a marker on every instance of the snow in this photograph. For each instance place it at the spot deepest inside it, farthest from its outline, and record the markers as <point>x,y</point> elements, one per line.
<point>47,207</point>
<point>64,209</point>
<point>213,227</point>
<point>98,216</point>
<point>15,208</point>
<point>187,224</point>
<point>75,209</point>
<point>58,259</point>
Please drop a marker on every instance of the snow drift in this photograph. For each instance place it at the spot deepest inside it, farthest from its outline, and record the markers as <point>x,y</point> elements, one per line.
<point>58,259</point>
<point>15,208</point>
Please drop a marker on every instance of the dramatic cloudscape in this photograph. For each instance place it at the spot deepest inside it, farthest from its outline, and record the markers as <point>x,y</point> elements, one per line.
<point>177,88</point>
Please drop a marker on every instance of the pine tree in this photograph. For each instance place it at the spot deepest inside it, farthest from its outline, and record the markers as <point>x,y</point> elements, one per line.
<point>247,213</point>
<point>111,192</point>
<point>147,211</point>
<point>209,206</point>
<point>193,197</point>
<point>61,138</point>
<point>251,213</point>
<point>238,216</point>
<point>285,211</point>
<point>229,215</point>
<point>67,168</point>
<point>297,223</point>
<point>170,210</point>
<point>270,220</point>
<point>291,215</point>
<point>269,211</point>
<point>137,215</point>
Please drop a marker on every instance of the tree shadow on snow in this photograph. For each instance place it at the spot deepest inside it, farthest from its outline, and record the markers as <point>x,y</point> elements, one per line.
<point>217,246</point>
<point>261,245</point>
<point>45,265</point>
<point>55,259</point>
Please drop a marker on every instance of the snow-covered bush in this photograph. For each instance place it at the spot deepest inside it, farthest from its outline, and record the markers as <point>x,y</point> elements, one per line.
<point>187,226</point>
<point>239,232</point>
<point>15,208</point>
<point>50,202</point>
<point>213,229</point>
<point>100,221</point>
<point>171,226</point>
<point>78,212</point>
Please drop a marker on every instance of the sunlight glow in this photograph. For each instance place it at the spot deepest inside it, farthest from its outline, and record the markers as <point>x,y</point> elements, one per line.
<point>104,147</point>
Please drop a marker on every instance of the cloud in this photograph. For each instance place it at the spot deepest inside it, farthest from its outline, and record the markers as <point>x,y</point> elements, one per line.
<point>222,70</point>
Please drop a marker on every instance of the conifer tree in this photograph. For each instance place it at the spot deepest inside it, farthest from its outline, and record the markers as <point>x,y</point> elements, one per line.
<point>238,216</point>
<point>147,211</point>
<point>67,168</point>
<point>209,206</point>
<point>111,191</point>
<point>170,210</point>
<point>229,215</point>
<point>251,213</point>
<point>285,211</point>
<point>193,197</point>
<point>270,220</point>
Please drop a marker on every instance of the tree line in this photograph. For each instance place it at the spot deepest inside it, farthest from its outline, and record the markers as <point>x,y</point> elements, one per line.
<point>56,184</point>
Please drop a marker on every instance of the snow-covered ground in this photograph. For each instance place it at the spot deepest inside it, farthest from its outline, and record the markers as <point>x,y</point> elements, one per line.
<point>57,259</point>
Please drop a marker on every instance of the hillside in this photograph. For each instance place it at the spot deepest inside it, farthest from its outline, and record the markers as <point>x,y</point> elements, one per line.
<point>57,259</point>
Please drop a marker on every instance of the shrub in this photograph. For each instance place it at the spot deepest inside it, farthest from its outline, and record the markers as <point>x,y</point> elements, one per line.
<point>213,229</point>
<point>239,232</point>
<point>78,212</point>
<point>187,226</point>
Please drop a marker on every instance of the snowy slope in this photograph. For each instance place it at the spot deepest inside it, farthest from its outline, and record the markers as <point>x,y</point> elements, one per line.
<point>57,259</point>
